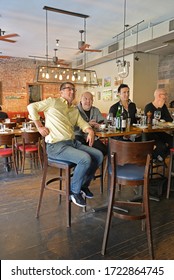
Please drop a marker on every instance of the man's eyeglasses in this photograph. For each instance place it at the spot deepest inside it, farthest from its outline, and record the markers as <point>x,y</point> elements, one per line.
<point>69,88</point>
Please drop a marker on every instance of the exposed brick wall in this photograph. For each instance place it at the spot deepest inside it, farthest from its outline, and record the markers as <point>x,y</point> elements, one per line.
<point>15,75</point>
<point>166,75</point>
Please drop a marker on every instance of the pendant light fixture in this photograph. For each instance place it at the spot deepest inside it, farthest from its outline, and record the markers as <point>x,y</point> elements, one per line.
<point>54,74</point>
<point>123,65</point>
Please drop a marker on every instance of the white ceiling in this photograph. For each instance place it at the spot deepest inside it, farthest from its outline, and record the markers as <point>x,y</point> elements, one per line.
<point>106,19</point>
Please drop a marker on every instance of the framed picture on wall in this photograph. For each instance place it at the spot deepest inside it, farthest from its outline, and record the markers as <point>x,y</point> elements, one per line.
<point>107,81</point>
<point>107,95</point>
<point>115,94</point>
<point>99,95</point>
<point>117,81</point>
<point>99,82</point>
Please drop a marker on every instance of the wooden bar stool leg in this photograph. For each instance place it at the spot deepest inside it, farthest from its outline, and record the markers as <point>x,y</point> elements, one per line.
<point>60,184</point>
<point>68,201</point>
<point>108,219</point>
<point>101,178</point>
<point>42,190</point>
<point>169,174</point>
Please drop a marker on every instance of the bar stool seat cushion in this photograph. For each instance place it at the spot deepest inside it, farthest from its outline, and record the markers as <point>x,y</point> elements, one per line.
<point>29,148</point>
<point>6,152</point>
<point>53,160</point>
<point>130,172</point>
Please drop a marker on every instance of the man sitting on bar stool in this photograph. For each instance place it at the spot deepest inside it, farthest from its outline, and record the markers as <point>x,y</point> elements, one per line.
<point>93,116</point>
<point>163,140</point>
<point>61,116</point>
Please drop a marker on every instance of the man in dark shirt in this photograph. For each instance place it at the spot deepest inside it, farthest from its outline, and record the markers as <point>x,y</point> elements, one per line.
<point>164,141</point>
<point>3,115</point>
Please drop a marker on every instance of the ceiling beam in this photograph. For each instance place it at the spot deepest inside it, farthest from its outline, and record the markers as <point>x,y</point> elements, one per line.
<point>64,12</point>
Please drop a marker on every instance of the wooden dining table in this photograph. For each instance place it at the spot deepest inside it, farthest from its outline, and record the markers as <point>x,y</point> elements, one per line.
<point>106,133</point>
<point>16,131</point>
<point>136,129</point>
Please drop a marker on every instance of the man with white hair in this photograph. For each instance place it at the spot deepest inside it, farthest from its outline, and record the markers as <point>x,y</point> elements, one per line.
<point>164,141</point>
<point>93,116</point>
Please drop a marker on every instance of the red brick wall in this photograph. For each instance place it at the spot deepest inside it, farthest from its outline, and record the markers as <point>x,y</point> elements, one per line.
<point>15,75</point>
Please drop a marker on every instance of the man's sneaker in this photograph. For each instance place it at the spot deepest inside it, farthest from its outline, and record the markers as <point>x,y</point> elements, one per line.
<point>87,193</point>
<point>78,199</point>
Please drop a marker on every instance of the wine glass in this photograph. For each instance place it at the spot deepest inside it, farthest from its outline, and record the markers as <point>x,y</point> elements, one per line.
<point>138,117</point>
<point>172,115</point>
<point>110,119</point>
<point>157,116</point>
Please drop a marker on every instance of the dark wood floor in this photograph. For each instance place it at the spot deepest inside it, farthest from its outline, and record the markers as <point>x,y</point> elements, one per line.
<point>24,237</point>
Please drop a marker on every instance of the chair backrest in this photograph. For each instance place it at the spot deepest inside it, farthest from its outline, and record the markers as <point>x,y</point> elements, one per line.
<point>6,139</point>
<point>31,137</point>
<point>20,119</point>
<point>10,125</point>
<point>130,152</point>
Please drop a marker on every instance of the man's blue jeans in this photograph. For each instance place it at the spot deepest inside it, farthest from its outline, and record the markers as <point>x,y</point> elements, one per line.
<point>87,160</point>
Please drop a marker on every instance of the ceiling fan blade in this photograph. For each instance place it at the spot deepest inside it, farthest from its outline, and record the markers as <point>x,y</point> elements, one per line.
<point>10,35</point>
<point>92,50</point>
<point>56,60</point>
<point>7,40</point>
<point>84,46</point>
<point>5,56</point>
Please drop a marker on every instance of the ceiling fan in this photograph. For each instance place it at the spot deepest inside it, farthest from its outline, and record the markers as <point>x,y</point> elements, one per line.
<point>6,37</point>
<point>54,59</point>
<point>57,61</point>
<point>4,56</point>
<point>83,46</point>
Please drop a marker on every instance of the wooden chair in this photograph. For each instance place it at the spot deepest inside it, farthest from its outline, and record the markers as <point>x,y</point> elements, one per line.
<point>65,169</point>
<point>30,148</point>
<point>20,120</point>
<point>129,165</point>
<point>7,151</point>
<point>10,125</point>
<point>100,174</point>
<point>171,172</point>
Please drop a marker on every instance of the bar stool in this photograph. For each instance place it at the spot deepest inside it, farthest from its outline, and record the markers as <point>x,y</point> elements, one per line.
<point>65,171</point>
<point>171,171</point>
<point>129,165</point>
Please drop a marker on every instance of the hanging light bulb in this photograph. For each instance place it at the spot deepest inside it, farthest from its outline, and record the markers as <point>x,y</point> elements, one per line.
<point>57,42</point>
<point>47,76</point>
<point>73,77</point>
<point>60,77</point>
<point>67,77</point>
<point>85,78</point>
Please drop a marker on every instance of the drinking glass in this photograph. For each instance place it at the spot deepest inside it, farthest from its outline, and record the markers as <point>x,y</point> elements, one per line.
<point>110,119</point>
<point>138,117</point>
<point>157,116</point>
<point>172,115</point>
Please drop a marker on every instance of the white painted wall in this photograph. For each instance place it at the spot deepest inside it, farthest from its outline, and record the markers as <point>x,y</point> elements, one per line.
<point>142,81</point>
